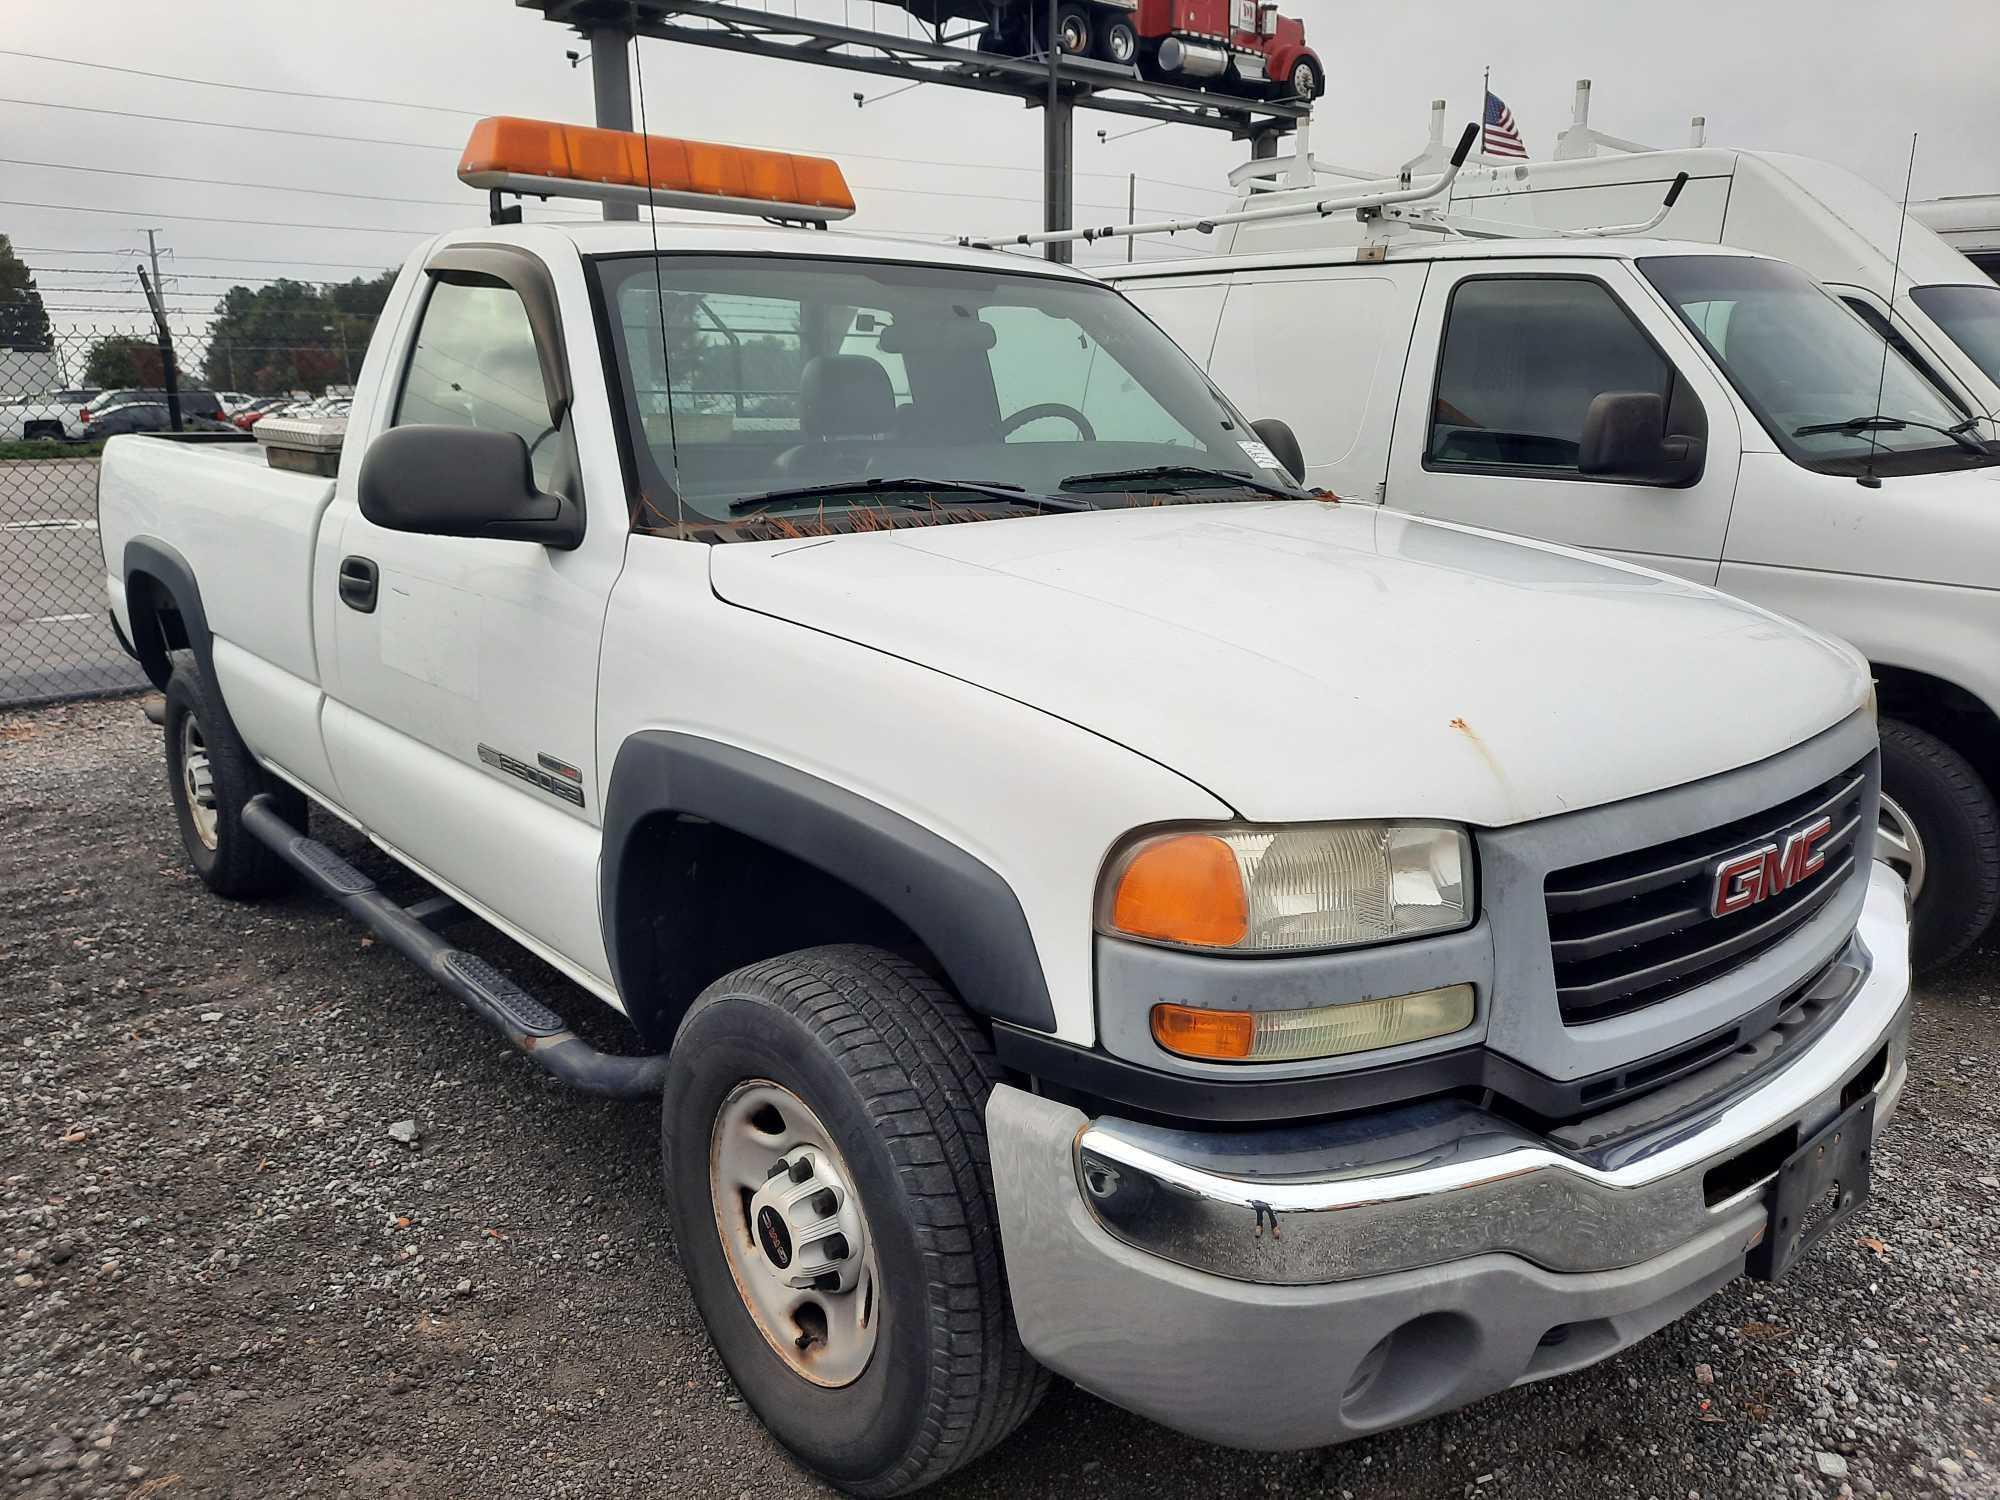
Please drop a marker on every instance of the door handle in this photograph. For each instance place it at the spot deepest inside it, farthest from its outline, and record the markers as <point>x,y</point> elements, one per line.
<point>358,579</point>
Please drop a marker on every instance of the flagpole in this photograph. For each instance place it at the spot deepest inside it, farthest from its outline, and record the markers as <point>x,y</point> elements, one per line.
<point>1485,93</point>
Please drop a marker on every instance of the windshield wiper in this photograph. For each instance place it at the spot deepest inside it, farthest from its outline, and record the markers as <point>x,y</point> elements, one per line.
<point>1174,478</point>
<point>942,491</point>
<point>1960,433</point>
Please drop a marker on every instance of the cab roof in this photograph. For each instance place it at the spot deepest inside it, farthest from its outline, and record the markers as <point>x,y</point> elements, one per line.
<point>750,236</point>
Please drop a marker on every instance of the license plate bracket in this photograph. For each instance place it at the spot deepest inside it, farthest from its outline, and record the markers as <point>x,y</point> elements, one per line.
<point>1818,1188</point>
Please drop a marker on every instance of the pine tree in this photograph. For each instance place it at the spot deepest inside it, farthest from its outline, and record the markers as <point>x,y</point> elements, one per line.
<point>24,322</point>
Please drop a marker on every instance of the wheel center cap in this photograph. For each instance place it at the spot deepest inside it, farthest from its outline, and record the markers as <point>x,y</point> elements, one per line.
<point>773,1237</point>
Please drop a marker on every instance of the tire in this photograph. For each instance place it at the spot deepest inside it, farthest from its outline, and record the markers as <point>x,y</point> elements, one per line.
<point>210,808</point>
<point>896,1074</point>
<point>1304,81</point>
<point>1934,790</point>
<point>1074,31</point>
<point>1119,43</point>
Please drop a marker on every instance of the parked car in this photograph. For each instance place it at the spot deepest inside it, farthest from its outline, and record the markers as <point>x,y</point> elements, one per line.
<point>149,416</point>
<point>193,403</point>
<point>1088,903</point>
<point>1703,411</point>
<point>55,415</point>
<point>259,409</point>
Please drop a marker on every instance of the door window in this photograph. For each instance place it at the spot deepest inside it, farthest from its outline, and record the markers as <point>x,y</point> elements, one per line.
<point>474,365</point>
<point>1523,359</point>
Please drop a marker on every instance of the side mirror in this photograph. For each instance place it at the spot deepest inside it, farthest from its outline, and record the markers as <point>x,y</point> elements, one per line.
<point>463,481</point>
<point>1284,445</point>
<point>1624,438</point>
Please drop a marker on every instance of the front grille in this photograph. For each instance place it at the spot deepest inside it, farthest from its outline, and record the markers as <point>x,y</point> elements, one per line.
<point>1632,930</point>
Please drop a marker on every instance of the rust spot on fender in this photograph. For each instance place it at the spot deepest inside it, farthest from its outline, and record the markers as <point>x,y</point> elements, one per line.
<point>1486,755</point>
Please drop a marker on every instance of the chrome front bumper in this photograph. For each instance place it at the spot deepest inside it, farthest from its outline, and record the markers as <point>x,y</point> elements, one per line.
<point>1285,1291</point>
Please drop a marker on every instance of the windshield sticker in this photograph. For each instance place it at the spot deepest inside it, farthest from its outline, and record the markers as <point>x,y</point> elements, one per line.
<point>1259,454</point>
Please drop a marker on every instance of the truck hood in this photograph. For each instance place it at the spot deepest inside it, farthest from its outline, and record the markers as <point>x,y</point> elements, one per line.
<point>1304,661</point>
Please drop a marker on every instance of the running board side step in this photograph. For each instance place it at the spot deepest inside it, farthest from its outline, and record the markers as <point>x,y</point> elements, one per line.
<point>530,1025</point>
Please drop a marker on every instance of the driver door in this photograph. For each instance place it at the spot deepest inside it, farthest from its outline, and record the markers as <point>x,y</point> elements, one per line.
<point>462,726</point>
<point>1490,419</point>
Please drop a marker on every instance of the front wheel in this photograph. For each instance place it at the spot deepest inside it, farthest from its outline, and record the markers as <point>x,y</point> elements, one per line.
<point>1940,831</point>
<point>1304,82</point>
<point>824,1147</point>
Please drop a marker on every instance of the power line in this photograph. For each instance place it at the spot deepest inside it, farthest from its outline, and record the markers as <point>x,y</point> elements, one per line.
<point>311,135</point>
<point>244,260</point>
<point>278,187</point>
<point>367,140</point>
<point>414,231</point>
<point>241,88</point>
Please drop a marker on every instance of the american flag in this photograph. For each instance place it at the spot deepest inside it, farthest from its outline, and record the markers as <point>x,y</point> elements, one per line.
<point>1503,137</point>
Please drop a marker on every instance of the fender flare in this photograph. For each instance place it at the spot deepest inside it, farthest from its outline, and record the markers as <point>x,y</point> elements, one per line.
<point>958,906</point>
<point>156,560</point>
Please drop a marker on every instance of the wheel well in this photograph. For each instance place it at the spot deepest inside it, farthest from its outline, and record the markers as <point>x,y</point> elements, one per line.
<point>700,899</point>
<point>157,627</point>
<point>1944,709</point>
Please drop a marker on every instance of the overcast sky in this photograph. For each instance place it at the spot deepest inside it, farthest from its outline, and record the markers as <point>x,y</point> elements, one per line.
<point>1844,79</point>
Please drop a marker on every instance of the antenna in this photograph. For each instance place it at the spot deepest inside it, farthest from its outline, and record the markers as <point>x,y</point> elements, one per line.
<point>659,291</point>
<point>1868,479</point>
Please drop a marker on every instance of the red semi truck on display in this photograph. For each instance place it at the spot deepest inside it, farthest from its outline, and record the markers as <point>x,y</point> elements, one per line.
<point>1242,47</point>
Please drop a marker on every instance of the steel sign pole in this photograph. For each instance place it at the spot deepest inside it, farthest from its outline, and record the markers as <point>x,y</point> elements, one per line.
<point>1058,148</point>
<point>611,87</point>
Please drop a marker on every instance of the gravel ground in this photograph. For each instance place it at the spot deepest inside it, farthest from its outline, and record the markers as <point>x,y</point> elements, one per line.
<point>230,1276</point>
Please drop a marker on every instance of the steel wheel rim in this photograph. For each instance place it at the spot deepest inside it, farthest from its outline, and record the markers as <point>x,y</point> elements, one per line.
<point>198,780</point>
<point>1122,43</point>
<point>1899,846</point>
<point>1071,31</point>
<point>1304,81</point>
<point>786,1213</point>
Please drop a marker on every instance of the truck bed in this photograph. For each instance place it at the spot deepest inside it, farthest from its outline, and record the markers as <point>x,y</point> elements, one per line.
<point>246,530</point>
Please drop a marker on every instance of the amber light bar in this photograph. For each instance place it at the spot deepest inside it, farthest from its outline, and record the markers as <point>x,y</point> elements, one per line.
<point>551,160</point>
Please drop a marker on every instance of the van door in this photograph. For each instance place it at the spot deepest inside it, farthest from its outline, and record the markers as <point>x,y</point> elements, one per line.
<point>1324,349</point>
<point>462,727</point>
<point>1507,357</point>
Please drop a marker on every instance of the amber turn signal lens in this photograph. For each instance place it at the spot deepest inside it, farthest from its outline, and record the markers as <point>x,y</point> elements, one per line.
<point>1183,888</point>
<point>1222,1035</point>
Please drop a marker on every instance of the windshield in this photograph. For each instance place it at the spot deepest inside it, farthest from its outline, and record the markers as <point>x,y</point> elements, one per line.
<point>748,377</point>
<point>1971,315</point>
<point>1801,360</point>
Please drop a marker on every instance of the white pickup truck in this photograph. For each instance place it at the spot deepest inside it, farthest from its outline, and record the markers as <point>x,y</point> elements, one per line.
<point>1087,904</point>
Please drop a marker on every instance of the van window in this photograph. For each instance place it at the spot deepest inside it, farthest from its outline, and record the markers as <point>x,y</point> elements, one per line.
<point>1870,314</point>
<point>474,365</point>
<point>1524,357</point>
<point>1971,315</point>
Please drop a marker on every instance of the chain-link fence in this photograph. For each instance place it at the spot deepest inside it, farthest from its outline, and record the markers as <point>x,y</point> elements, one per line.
<point>58,405</point>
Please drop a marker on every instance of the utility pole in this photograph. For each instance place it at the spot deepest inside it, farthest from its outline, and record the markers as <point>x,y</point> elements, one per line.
<point>169,377</point>
<point>1131,211</point>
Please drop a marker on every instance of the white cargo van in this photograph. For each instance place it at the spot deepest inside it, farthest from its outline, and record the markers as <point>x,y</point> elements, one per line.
<point>1699,410</point>
<point>1969,223</point>
<point>1830,223</point>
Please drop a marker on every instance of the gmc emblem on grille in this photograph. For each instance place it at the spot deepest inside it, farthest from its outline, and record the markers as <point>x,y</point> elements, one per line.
<point>1758,874</point>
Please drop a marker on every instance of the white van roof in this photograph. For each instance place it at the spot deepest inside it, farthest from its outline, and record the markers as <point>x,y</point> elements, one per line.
<point>1797,208</point>
<point>1425,248</point>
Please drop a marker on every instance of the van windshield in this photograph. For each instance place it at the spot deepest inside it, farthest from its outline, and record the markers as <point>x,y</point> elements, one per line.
<point>781,387</point>
<point>1810,369</point>
<point>1971,315</point>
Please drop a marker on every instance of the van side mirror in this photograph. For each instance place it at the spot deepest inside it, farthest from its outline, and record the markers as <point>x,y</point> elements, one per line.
<point>463,481</point>
<point>1284,445</point>
<point>1624,437</point>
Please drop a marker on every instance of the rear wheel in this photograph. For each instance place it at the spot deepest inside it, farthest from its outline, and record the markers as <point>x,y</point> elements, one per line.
<point>825,1155</point>
<point>1073,30</point>
<point>1940,831</point>
<point>1120,43</point>
<point>211,777</point>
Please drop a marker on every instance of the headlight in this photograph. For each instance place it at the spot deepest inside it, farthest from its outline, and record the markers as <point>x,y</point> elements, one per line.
<point>1289,889</point>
